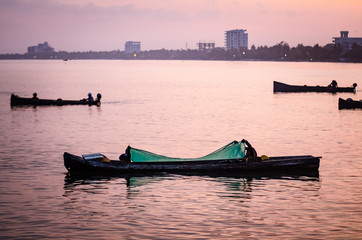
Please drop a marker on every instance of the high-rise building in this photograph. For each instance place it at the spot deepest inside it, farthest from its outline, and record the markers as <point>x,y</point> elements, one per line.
<point>236,39</point>
<point>132,47</point>
<point>41,48</point>
<point>347,42</point>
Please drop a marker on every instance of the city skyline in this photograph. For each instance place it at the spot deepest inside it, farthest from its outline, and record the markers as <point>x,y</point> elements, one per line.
<point>94,25</point>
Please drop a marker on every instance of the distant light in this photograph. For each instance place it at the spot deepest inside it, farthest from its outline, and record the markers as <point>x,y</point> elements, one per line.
<point>244,53</point>
<point>285,55</point>
<point>135,55</point>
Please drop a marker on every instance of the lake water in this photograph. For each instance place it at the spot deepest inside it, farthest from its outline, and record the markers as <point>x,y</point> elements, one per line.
<point>179,109</point>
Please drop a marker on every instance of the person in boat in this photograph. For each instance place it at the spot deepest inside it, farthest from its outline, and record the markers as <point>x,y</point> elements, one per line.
<point>127,155</point>
<point>90,97</point>
<point>35,96</point>
<point>251,154</point>
<point>333,84</point>
<point>99,96</point>
<point>250,151</point>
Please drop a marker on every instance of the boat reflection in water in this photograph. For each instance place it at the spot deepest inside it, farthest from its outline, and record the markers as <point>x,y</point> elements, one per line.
<point>135,180</point>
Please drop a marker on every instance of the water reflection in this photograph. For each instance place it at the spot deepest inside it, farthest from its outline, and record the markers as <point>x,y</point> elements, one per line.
<point>233,181</point>
<point>166,205</point>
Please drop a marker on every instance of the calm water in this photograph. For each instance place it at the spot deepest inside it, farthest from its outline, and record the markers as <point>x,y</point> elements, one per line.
<point>180,109</point>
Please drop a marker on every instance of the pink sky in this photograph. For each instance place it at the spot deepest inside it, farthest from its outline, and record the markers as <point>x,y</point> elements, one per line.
<point>105,25</point>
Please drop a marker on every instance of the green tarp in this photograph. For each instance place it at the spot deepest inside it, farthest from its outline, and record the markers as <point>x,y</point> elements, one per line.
<point>232,150</point>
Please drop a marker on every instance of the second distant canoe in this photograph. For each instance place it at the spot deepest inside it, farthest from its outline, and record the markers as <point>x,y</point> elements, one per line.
<point>282,87</point>
<point>349,104</point>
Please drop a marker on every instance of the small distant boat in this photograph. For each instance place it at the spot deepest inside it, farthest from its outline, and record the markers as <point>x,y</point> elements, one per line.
<point>349,104</point>
<point>230,158</point>
<point>282,87</point>
<point>19,101</point>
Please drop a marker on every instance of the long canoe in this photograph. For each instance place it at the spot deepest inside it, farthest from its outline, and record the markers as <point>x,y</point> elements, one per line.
<point>78,164</point>
<point>349,104</point>
<point>282,87</point>
<point>19,101</point>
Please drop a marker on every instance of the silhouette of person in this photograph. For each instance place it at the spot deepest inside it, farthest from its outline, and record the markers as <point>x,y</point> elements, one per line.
<point>90,97</point>
<point>35,96</point>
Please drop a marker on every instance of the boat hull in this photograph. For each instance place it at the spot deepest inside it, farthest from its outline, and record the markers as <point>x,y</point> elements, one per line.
<point>19,101</point>
<point>282,87</point>
<point>349,104</point>
<point>77,164</point>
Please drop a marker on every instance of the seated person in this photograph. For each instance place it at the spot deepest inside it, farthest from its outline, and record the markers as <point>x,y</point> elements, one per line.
<point>251,154</point>
<point>250,151</point>
<point>90,97</point>
<point>333,84</point>
<point>99,96</point>
<point>35,96</point>
<point>126,156</point>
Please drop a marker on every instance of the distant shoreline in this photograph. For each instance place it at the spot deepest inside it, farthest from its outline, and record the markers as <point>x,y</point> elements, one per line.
<point>280,52</point>
<point>174,59</point>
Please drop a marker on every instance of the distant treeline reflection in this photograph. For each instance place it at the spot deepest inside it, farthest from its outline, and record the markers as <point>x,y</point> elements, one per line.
<point>278,52</point>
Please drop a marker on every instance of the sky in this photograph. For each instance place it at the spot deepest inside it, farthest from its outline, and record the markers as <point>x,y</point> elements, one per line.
<point>105,25</point>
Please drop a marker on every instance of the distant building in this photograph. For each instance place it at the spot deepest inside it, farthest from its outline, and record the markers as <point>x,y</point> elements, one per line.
<point>346,42</point>
<point>236,39</point>
<point>132,47</point>
<point>205,46</point>
<point>41,48</point>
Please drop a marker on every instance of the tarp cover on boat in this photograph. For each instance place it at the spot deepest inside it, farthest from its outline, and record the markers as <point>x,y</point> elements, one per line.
<point>232,150</point>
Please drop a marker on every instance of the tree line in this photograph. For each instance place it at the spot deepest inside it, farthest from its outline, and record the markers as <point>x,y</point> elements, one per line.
<point>278,52</point>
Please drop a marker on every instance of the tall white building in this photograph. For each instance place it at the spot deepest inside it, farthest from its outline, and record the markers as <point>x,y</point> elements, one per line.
<point>40,48</point>
<point>236,39</point>
<point>347,42</point>
<point>132,47</point>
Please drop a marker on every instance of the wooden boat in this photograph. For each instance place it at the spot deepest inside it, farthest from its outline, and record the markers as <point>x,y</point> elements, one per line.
<point>349,104</point>
<point>19,101</point>
<point>78,164</point>
<point>282,87</point>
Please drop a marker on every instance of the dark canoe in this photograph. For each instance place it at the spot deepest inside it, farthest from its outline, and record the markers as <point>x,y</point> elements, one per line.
<point>19,101</point>
<point>349,104</point>
<point>77,164</point>
<point>282,87</point>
